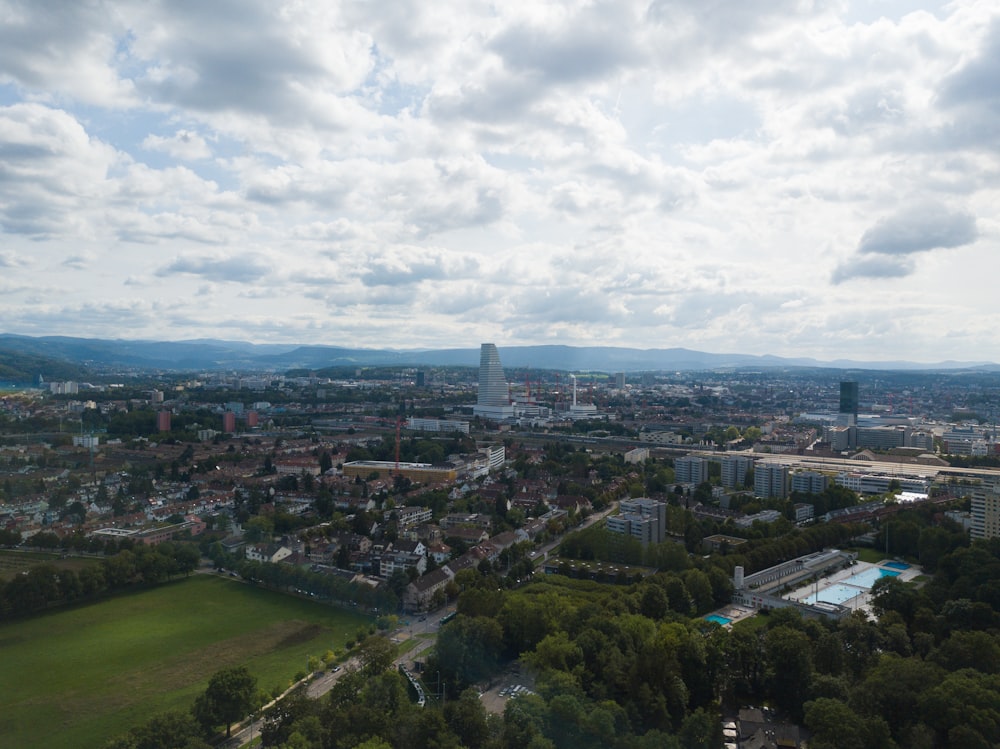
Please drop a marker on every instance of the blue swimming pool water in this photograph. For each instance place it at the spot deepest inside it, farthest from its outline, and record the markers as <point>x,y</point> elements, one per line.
<point>867,578</point>
<point>838,593</point>
<point>718,619</point>
<point>897,565</point>
<point>850,588</point>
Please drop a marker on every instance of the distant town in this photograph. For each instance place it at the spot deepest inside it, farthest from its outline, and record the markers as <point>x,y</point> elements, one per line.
<point>391,489</point>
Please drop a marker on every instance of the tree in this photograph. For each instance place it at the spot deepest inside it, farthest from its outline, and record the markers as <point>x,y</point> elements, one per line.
<point>229,696</point>
<point>376,654</point>
<point>789,667</point>
<point>173,730</point>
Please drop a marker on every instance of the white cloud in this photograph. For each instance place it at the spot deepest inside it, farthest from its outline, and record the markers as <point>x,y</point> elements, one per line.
<point>184,144</point>
<point>629,173</point>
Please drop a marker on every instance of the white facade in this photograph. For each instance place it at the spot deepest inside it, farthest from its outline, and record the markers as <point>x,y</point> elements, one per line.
<point>493,389</point>
<point>445,426</point>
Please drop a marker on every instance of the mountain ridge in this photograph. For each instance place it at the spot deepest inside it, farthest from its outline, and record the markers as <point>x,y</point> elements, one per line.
<point>215,355</point>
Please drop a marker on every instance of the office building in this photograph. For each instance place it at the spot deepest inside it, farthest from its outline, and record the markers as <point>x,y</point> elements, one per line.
<point>163,421</point>
<point>883,438</point>
<point>620,380</point>
<point>848,404</point>
<point>493,400</point>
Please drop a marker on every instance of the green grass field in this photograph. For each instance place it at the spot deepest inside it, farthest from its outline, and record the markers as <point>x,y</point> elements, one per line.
<point>78,677</point>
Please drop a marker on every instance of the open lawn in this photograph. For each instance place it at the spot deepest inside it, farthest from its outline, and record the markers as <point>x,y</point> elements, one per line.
<point>75,678</point>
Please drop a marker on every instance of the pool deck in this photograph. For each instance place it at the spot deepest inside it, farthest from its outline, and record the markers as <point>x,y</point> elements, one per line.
<point>733,613</point>
<point>862,600</point>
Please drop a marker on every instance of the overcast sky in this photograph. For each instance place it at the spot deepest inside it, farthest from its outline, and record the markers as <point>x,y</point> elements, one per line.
<point>793,177</point>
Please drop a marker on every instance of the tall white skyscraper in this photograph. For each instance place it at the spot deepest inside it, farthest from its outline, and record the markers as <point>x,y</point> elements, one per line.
<point>492,384</point>
<point>493,401</point>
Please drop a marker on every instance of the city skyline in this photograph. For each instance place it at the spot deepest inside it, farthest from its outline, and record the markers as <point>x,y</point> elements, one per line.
<point>797,179</point>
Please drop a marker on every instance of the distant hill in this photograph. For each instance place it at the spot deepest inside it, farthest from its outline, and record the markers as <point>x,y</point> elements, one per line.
<point>25,356</point>
<point>21,367</point>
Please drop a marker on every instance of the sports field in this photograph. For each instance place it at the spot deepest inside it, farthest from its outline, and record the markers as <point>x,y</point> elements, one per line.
<point>75,678</point>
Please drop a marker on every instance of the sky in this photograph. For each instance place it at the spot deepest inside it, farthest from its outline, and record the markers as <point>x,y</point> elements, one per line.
<point>790,177</point>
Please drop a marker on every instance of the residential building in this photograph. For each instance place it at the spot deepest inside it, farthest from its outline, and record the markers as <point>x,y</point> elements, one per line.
<point>734,470</point>
<point>407,517</point>
<point>985,512</point>
<point>637,455</point>
<point>804,512</point>
<point>690,469</point>
<point>809,482</point>
<point>496,455</point>
<point>272,553</point>
<point>770,480</point>
<point>642,518</point>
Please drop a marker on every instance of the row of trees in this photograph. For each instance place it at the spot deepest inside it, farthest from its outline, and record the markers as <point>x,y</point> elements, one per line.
<point>44,586</point>
<point>325,587</point>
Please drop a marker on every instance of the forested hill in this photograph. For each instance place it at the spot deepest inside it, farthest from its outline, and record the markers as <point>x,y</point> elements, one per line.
<point>20,368</point>
<point>216,354</point>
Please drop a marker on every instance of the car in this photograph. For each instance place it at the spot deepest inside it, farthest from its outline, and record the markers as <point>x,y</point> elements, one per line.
<point>423,618</point>
<point>335,669</point>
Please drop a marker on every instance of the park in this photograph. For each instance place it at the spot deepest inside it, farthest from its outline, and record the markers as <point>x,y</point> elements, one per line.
<point>75,677</point>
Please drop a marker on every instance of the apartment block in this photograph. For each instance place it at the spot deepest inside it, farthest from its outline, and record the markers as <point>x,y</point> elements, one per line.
<point>690,470</point>
<point>770,480</point>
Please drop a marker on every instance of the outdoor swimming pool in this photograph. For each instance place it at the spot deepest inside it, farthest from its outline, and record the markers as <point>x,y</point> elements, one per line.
<point>897,565</point>
<point>849,589</point>
<point>718,619</point>
<point>838,593</point>
<point>867,578</point>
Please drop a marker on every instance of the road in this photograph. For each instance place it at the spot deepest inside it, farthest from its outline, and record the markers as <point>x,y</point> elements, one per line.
<point>418,627</point>
<point>319,685</point>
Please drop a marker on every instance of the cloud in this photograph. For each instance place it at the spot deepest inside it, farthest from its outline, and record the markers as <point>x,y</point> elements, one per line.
<point>9,259</point>
<point>872,266</point>
<point>397,269</point>
<point>885,249</point>
<point>919,228</point>
<point>77,262</point>
<point>231,269</point>
<point>568,48</point>
<point>270,62</point>
<point>184,144</point>
<point>64,48</point>
<point>974,85</point>
<point>582,171</point>
<point>51,172</point>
